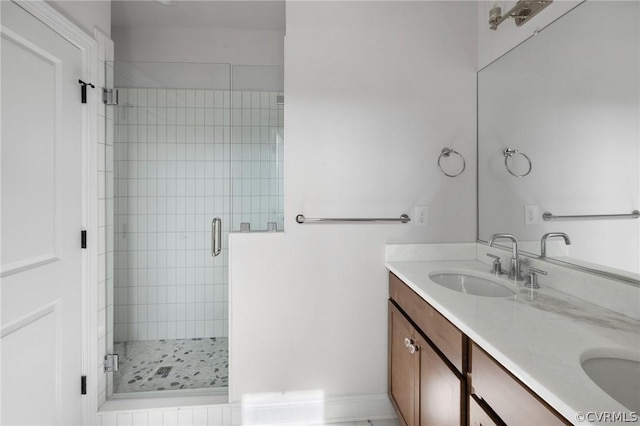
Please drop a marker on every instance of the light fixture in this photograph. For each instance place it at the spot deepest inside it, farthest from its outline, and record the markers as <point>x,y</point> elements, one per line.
<point>521,12</point>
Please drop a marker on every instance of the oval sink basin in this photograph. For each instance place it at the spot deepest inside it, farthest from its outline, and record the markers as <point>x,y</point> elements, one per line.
<point>470,284</point>
<point>616,373</point>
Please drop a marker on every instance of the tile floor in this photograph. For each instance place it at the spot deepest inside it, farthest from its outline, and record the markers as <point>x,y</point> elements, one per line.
<point>158,365</point>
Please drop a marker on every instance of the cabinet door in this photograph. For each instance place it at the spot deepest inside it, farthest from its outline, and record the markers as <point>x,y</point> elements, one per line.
<point>403,367</point>
<point>441,390</point>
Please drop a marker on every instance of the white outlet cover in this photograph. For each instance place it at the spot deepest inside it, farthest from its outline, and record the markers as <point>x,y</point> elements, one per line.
<point>531,214</point>
<point>421,216</point>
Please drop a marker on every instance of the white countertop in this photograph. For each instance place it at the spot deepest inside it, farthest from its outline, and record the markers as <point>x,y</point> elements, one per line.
<point>538,335</point>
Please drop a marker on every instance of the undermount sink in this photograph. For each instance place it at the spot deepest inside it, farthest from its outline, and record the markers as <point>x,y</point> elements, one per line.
<point>617,373</point>
<point>471,284</point>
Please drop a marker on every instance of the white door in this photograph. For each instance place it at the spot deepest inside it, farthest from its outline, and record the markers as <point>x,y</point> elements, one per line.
<point>40,257</point>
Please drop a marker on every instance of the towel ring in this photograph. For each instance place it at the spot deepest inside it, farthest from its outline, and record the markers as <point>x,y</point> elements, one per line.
<point>508,153</point>
<point>446,152</point>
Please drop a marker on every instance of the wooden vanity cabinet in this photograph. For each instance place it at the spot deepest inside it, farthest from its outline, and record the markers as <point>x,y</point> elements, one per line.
<point>424,387</point>
<point>438,376</point>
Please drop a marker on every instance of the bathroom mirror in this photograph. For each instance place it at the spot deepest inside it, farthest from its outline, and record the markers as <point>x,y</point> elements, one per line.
<point>566,102</point>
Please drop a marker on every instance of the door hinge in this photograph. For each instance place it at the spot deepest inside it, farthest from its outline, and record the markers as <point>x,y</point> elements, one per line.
<point>110,96</point>
<point>83,239</point>
<point>83,385</point>
<point>110,363</point>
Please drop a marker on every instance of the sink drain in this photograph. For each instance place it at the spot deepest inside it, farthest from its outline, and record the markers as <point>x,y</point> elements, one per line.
<point>163,371</point>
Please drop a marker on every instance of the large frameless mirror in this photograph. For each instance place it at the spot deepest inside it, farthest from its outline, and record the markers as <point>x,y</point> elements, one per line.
<point>558,140</point>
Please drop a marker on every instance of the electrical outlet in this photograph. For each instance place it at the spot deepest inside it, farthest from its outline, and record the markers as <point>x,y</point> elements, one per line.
<point>531,214</point>
<point>421,215</point>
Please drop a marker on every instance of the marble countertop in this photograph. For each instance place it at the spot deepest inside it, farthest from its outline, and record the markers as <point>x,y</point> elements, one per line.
<point>538,335</point>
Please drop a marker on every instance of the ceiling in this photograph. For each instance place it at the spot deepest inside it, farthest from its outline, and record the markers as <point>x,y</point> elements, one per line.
<point>264,15</point>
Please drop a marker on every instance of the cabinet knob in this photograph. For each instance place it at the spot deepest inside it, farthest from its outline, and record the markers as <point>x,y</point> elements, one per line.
<point>413,349</point>
<point>408,342</point>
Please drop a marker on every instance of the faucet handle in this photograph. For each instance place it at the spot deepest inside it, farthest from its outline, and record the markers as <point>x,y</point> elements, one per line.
<point>532,277</point>
<point>497,265</point>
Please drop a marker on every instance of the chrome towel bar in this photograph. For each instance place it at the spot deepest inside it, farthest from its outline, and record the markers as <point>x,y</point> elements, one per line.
<point>403,218</point>
<point>633,215</point>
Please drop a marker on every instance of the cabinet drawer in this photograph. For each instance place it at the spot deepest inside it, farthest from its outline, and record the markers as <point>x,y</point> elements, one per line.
<point>445,336</point>
<point>510,399</point>
<point>478,416</point>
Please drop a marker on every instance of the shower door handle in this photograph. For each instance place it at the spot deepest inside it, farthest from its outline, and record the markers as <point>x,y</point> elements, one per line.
<point>216,236</point>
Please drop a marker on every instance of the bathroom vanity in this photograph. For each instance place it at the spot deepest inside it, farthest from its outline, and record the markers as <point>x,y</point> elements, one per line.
<point>472,355</point>
<point>440,364</point>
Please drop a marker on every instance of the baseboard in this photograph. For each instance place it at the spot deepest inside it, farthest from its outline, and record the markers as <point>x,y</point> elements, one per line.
<point>308,409</point>
<point>311,410</point>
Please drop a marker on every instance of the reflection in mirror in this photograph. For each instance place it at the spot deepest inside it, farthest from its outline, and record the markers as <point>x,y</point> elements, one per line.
<point>568,101</point>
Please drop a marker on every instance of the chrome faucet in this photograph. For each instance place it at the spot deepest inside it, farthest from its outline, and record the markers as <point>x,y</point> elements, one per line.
<point>543,242</point>
<point>514,267</point>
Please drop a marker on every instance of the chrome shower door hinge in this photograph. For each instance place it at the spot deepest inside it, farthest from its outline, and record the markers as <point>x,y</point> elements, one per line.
<point>110,363</point>
<point>110,96</point>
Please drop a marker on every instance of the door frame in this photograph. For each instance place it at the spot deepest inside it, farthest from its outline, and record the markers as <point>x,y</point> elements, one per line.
<point>89,50</point>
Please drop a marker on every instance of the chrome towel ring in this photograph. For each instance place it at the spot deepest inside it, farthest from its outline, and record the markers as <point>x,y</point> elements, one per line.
<point>508,153</point>
<point>446,153</point>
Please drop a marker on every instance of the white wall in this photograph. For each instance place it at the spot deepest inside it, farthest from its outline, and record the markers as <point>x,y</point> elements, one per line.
<point>87,15</point>
<point>241,47</point>
<point>493,44</point>
<point>374,91</point>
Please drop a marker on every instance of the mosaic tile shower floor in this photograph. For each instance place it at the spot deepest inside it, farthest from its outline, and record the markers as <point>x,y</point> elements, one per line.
<point>158,365</point>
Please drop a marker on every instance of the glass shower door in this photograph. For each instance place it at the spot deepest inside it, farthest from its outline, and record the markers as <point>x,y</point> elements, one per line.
<point>257,148</point>
<point>172,178</point>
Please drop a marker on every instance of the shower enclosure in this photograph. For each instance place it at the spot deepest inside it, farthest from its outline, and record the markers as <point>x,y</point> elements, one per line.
<point>192,143</point>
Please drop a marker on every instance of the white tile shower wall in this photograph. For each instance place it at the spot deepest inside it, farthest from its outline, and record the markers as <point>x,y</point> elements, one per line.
<point>173,176</point>
<point>217,415</point>
<point>257,140</point>
<point>172,180</point>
